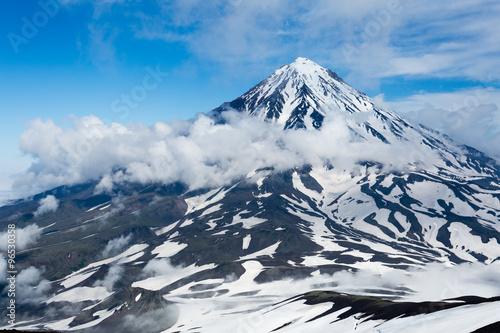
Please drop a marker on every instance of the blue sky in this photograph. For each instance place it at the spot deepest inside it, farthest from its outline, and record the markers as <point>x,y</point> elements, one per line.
<point>64,59</point>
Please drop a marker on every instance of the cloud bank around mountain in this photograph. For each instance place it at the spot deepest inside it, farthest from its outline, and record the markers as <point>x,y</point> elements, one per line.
<point>469,116</point>
<point>198,153</point>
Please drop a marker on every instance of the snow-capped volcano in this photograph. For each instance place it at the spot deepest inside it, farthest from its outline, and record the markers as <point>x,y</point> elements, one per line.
<point>302,94</point>
<point>251,255</point>
<point>299,95</point>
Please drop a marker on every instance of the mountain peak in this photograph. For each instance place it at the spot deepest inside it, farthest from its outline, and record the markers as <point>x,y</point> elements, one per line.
<point>299,95</point>
<point>304,64</point>
<point>301,59</point>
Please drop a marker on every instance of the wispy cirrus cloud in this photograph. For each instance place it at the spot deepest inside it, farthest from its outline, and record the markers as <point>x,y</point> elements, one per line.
<point>446,39</point>
<point>365,40</point>
<point>388,38</point>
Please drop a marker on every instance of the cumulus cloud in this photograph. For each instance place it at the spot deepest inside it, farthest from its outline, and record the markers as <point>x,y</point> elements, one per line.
<point>114,274</point>
<point>116,245</point>
<point>158,267</point>
<point>198,153</point>
<point>30,286</point>
<point>24,237</point>
<point>47,205</point>
<point>105,185</point>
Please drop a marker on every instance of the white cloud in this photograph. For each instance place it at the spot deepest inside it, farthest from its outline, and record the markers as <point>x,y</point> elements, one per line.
<point>114,274</point>
<point>198,153</point>
<point>158,267</point>
<point>102,49</point>
<point>115,245</point>
<point>47,205</point>
<point>30,287</point>
<point>469,116</point>
<point>105,185</point>
<point>24,237</point>
<point>367,39</point>
<point>370,39</point>
<point>426,64</point>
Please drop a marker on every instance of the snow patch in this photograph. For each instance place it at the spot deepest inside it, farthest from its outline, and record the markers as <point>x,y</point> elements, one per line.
<point>268,251</point>
<point>81,294</point>
<point>168,249</point>
<point>76,279</point>
<point>246,242</point>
